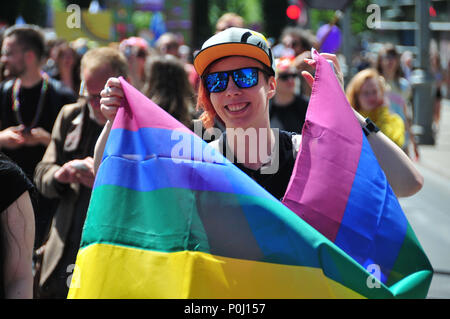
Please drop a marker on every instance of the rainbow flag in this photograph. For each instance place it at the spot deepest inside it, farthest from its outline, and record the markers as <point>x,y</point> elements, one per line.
<point>171,218</point>
<point>339,188</point>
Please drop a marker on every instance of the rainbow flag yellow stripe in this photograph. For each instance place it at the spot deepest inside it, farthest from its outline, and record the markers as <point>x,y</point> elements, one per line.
<point>168,224</point>
<point>189,274</point>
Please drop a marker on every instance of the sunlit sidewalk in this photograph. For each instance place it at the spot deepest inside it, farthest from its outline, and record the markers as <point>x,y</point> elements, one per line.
<point>437,157</point>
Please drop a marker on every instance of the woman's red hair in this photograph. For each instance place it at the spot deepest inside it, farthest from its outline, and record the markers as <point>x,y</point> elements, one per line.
<point>204,103</point>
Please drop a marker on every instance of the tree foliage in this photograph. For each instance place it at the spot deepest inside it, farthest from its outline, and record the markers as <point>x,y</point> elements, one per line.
<point>249,10</point>
<point>358,16</point>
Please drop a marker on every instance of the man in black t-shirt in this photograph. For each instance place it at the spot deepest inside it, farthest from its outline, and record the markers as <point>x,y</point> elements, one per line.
<point>29,105</point>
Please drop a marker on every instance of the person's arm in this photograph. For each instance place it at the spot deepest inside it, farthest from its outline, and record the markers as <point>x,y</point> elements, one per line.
<point>100,145</point>
<point>112,98</point>
<point>400,171</point>
<point>17,223</point>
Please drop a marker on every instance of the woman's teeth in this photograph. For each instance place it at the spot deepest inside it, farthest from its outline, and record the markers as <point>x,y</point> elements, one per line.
<point>236,107</point>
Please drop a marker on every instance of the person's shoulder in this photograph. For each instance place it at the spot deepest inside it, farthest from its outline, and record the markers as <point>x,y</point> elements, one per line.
<point>404,83</point>
<point>395,118</point>
<point>13,176</point>
<point>385,115</point>
<point>6,85</point>
<point>73,109</point>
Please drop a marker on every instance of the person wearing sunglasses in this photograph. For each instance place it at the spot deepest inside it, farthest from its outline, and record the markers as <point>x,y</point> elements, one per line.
<point>237,73</point>
<point>287,109</point>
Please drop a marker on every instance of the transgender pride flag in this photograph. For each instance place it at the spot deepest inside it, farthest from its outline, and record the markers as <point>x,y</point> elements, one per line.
<point>167,221</point>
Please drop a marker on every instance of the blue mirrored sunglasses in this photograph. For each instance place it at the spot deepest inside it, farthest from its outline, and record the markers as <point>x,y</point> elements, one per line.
<point>243,78</point>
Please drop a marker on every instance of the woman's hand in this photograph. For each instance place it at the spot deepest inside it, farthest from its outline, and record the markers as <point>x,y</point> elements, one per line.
<point>77,171</point>
<point>337,69</point>
<point>112,98</point>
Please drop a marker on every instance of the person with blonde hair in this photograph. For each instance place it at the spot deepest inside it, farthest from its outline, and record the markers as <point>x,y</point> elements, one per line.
<point>228,20</point>
<point>136,50</point>
<point>66,170</point>
<point>366,94</point>
<point>398,92</point>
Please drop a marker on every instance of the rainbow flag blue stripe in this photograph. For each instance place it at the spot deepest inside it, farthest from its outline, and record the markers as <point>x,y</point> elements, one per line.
<point>359,211</point>
<point>164,222</point>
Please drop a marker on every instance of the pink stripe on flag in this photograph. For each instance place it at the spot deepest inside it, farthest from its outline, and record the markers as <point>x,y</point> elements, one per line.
<point>329,155</point>
<point>133,116</point>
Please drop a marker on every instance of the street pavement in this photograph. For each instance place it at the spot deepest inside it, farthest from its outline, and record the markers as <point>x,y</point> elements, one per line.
<point>428,211</point>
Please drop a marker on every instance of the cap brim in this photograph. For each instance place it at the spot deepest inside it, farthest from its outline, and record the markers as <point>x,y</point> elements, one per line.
<point>215,52</point>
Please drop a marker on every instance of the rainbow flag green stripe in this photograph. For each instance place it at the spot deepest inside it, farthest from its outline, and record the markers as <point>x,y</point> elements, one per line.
<point>169,228</point>
<point>157,228</point>
<point>410,262</point>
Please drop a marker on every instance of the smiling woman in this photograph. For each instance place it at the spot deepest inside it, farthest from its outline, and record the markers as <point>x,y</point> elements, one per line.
<point>242,105</point>
<point>239,105</point>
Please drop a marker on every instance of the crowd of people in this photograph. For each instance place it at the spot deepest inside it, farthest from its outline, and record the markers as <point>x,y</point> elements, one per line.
<point>58,100</point>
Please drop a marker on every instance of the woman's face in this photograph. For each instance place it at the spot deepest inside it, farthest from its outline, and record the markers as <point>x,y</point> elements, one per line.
<point>286,81</point>
<point>370,95</point>
<point>66,59</point>
<point>242,108</point>
<point>389,64</point>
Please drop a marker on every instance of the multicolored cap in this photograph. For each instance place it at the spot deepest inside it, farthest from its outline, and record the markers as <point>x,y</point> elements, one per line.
<point>234,42</point>
<point>135,42</point>
<point>284,63</point>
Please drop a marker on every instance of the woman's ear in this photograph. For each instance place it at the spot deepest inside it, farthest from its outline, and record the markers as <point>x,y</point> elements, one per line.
<point>272,87</point>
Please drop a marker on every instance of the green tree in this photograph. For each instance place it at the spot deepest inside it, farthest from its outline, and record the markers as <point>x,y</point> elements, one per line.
<point>249,10</point>
<point>358,16</point>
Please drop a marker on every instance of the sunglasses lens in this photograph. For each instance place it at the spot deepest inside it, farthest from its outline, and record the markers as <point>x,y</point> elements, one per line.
<point>216,82</point>
<point>246,78</point>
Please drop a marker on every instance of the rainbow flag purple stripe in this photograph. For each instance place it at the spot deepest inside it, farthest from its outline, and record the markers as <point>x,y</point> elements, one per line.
<point>339,188</point>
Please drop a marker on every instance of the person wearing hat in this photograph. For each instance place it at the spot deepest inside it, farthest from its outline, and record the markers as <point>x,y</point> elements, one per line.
<point>136,50</point>
<point>242,104</point>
